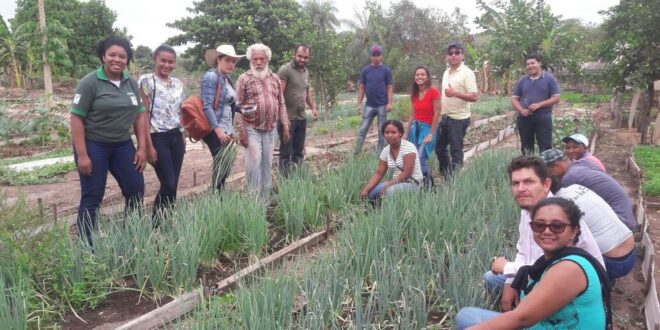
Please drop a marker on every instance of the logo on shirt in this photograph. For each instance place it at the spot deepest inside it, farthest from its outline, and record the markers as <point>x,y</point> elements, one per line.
<point>76,98</point>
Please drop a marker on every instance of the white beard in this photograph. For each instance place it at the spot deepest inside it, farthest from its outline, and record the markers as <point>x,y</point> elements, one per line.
<point>259,74</point>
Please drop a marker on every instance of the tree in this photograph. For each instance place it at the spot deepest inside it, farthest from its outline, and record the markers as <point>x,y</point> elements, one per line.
<point>327,70</point>
<point>14,46</point>
<point>632,48</point>
<point>73,28</point>
<point>521,27</point>
<point>48,80</point>
<point>279,24</point>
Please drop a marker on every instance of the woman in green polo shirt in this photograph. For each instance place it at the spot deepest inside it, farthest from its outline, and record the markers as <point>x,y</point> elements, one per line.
<point>105,106</point>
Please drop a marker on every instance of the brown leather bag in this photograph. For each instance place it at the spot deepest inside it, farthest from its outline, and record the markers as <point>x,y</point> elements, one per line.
<point>193,119</point>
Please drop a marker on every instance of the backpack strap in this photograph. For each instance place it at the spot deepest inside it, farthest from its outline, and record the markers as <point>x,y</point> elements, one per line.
<point>536,270</point>
<point>216,100</point>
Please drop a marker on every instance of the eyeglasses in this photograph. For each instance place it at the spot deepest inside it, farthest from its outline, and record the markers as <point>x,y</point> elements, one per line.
<point>555,227</point>
<point>456,53</point>
<point>375,54</point>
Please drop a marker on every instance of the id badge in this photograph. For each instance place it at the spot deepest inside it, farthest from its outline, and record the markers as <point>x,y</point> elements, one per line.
<point>134,100</point>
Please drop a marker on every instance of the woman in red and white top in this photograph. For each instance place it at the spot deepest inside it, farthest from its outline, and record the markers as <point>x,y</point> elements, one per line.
<point>424,116</point>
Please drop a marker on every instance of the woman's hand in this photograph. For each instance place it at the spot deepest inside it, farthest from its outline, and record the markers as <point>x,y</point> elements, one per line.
<point>427,139</point>
<point>152,155</point>
<point>140,159</point>
<point>84,165</point>
<point>224,138</point>
<point>364,193</point>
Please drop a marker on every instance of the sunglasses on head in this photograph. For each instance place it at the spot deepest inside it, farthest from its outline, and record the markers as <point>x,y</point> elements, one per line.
<point>555,227</point>
<point>456,52</point>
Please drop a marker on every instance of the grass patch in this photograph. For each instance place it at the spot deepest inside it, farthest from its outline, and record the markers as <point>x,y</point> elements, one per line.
<point>570,124</point>
<point>576,97</point>
<point>41,175</point>
<point>61,152</point>
<point>491,105</point>
<point>648,158</point>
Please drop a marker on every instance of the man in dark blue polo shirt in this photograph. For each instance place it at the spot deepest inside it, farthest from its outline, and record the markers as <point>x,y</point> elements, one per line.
<point>533,98</point>
<point>376,82</point>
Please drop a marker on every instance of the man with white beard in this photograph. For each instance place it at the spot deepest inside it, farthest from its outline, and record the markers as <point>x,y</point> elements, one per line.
<point>261,103</point>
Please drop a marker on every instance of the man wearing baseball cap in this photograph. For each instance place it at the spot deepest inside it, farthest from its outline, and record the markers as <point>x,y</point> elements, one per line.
<point>577,147</point>
<point>585,173</point>
<point>376,82</point>
<point>459,89</point>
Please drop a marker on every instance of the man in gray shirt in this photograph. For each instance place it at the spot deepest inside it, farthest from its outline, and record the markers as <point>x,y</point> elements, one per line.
<point>585,173</point>
<point>295,87</point>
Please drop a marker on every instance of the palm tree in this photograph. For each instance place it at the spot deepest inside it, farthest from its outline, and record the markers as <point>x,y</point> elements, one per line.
<point>13,46</point>
<point>323,14</point>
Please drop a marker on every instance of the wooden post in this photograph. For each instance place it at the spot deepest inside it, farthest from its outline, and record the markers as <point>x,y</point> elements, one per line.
<point>194,178</point>
<point>54,207</point>
<point>656,131</point>
<point>40,203</point>
<point>633,109</point>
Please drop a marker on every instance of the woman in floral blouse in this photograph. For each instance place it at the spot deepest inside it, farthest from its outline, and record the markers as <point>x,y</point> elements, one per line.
<point>162,96</point>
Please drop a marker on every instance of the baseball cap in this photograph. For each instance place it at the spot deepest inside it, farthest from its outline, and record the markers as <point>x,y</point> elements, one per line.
<point>375,49</point>
<point>552,155</point>
<point>455,44</point>
<point>577,138</point>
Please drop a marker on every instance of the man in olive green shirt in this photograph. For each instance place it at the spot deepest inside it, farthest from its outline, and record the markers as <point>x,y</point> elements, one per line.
<point>296,90</point>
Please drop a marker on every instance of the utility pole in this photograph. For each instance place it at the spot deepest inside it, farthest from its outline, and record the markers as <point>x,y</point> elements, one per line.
<point>48,79</point>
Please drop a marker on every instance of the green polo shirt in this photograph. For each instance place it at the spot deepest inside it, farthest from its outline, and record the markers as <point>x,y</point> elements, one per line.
<point>295,93</point>
<point>108,111</point>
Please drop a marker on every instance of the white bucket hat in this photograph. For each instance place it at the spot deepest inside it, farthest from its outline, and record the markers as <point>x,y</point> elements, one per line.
<point>212,54</point>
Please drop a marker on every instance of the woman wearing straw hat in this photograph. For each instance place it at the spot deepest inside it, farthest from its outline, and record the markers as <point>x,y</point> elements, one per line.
<point>217,83</point>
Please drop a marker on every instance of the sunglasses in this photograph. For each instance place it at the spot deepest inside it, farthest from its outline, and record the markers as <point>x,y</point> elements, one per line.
<point>555,227</point>
<point>456,53</point>
<point>375,54</point>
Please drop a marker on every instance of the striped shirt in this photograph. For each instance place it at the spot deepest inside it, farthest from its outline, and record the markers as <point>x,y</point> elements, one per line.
<point>261,102</point>
<point>397,164</point>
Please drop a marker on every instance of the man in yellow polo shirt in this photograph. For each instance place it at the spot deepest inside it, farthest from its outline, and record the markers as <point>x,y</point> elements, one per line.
<point>459,89</point>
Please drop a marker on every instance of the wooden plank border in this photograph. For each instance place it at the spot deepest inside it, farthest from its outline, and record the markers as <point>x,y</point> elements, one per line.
<point>187,302</point>
<point>651,302</point>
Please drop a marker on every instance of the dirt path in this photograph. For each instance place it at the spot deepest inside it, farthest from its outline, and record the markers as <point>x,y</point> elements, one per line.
<point>613,148</point>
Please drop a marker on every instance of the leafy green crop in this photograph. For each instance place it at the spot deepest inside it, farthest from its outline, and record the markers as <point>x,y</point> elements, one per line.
<point>648,158</point>
<point>41,175</point>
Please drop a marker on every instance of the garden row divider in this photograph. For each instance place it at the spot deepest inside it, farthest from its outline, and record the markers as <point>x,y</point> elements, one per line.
<point>651,302</point>
<point>186,302</point>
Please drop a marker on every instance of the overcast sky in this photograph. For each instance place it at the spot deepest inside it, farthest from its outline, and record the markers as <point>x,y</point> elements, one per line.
<point>146,19</point>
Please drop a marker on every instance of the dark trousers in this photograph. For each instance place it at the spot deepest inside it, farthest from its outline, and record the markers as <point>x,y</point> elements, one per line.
<point>118,159</point>
<point>450,133</point>
<point>537,126</point>
<point>170,148</point>
<point>292,153</point>
<point>219,174</point>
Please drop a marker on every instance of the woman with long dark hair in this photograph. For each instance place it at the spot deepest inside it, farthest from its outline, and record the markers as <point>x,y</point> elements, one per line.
<point>162,96</point>
<point>424,117</point>
<point>400,156</point>
<point>565,289</point>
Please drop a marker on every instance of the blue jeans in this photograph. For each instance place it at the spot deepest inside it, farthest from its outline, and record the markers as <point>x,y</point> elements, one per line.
<point>451,133</point>
<point>537,126</point>
<point>258,158</point>
<point>619,267</point>
<point>169,149</point>
<point>368,114</point>
<point>469,316</point>
<point>292,153</point>
<point>493,283</point>
<point>375,192</point>
<point>118,159</point>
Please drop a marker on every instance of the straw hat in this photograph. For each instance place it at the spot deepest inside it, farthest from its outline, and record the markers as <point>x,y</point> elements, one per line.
<point>212,54</point>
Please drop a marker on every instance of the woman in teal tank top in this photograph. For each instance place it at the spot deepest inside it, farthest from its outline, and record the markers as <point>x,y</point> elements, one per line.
<point>563,289</point>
